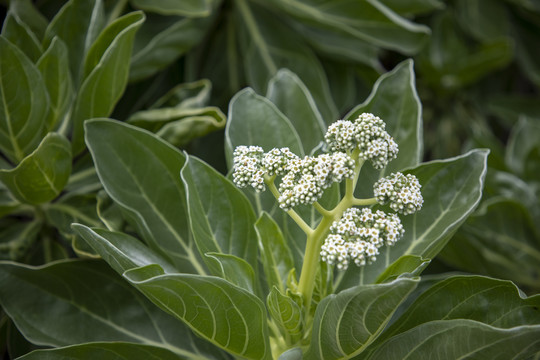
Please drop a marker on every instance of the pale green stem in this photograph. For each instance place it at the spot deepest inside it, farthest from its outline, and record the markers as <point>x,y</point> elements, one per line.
<point>321,209</point>
<point>364,202</point>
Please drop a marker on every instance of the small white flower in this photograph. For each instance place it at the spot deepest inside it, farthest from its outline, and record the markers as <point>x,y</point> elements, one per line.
<point>248,170</point>
<point>401,191</point>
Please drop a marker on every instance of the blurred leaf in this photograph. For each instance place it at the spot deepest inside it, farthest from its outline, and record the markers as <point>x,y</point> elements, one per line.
<point>452,189</point>
<point>108,212</point>
<point>222,313</point>
<point>41,176</point>
<point>406,264</point>
<point>26,11</point>
<point>220,216</point>
<point>54,67</point>
<point>498,240</point>
<point>121,251</point>
<point>51,308</point>
<point>368,20</point>
<point>162,40</point>
<point>106,71</point>
<point>294,100</point>
<point>276,256</point>
<point>523,149</point>
<point>177,125</point>
<point>287,314</point>
<point>20,35</point>
<point>77,24</point>
<point>509,108</point>
<point>267,44</point>
<point>526,35</point>
<point>17,237</point>
<point>483,19</point>
<point>291,354</point>
<point>191,8</point>
<point>346,323</point>
<point>413,7</point>
<point>106,351</point>
<point>461,338</point>
<point>8,203</point>
<point>21,121</point>
<point>191,95</point>
<point>143,178</point>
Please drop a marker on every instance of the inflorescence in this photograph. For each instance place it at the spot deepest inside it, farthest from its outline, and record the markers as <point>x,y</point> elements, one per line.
<point>359,233</point>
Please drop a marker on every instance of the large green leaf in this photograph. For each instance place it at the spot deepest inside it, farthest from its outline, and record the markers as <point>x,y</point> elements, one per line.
<point>287,314</point>
<point>106,71</point>
<point>26,11</point>
<point>20,35</point>
<point>190,8</point>
<point>73,302</point>
<point>121,251</point>
<point>395,100</point>
<point>291,96</point>
<point>276,256</point>
<point>459,339</point>
<point>452,189</point>
<point>41,176</point>
<point>140,172</point>
<point>413,6</point>
<point>77,24</point>
<point>54,67</point>
<point>500,239</point>
<point>523,150</point>
<point>346,323</point>
<point>106,351</point>
<point>162,40</point>
<point>24,103</point>
<point>221,217</point>
<point>368,20</point>
<point>224,314</point>
<point>269,44</point>
<point>17,237</point>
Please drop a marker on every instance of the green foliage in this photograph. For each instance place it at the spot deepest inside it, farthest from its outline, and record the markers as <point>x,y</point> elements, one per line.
<point>123,239</point>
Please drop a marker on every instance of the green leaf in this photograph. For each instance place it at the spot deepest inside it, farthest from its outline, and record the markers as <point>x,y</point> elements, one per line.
<point>24,104</point>
<point>287,314</point>
<point>140,172</point>
<point>178,125</point>
<point>73,302</point>
<point>106,71</point>
<point>224,314</point>
<point>407,264</point>
<point>276,256</point>
<point>460,338</point>
<point>106,351</point>
<point>395,100</point>
<point>523,150</point>
<point>268,44</point>
<point>26,11</point>
<point>20,35</point>
<point>162,40</point>
<point>221,217</point>
<point>235,270</point>
<point>452,189</point>
<point>191,95</point>
<point>291,354</point>
<point>500,239</point>
<point>485,21</point>
<point>254,120</point>
<point>346,323</point>
<point>17,237</point>
<point>41,176</point>
<point>77,24</point>
<point>53,66</point>
<point>8,203</point>
<point>369,20</point>
<point>413,7</point>
<point>121,251</point>
<point>190,8</point>
<point>294,100</point>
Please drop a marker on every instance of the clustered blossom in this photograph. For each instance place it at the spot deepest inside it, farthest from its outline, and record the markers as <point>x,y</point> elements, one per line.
<point>307,178</point>
<point>276,161</point>
<point>358,235</point>
<point>368,134</point>
<point>248,169</point>
<point>401,191</point>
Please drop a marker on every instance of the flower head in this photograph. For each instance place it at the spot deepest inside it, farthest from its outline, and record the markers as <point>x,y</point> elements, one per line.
<point>248,169</point>
<point>401,191</point>
<point>306,179</point>
<point>358,235</point>
<point>368,134</point>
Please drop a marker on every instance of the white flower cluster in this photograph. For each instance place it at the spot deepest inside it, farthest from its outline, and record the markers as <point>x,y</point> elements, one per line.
<point>358,235</point>
<point>304,180</point>
<point>307,178</point>
<point>401,191</point>
<point>248,167</point>
<point>366,133</point>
